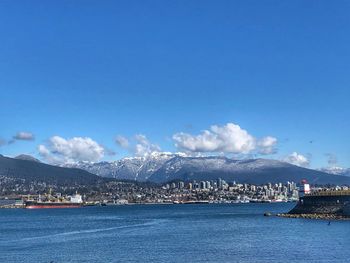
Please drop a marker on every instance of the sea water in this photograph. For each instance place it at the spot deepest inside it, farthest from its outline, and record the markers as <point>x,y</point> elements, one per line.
<point>170,233</point>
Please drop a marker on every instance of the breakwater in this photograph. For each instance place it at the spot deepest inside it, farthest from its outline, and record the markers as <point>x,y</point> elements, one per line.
<point>325,205</point>
<point>315,216</point>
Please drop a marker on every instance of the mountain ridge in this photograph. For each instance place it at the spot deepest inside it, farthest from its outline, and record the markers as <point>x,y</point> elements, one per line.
<point>27,157</point>
<point>163,167</point>
<point>31,170</point>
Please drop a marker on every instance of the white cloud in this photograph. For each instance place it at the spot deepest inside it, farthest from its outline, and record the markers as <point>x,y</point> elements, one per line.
<point>144,147</point>
<point>139,145</point>
<point>60,150</point>
<point>267,145</point>
<point>297,159</point>
<point>24,136</point>
<point>122,141</point>
<point>230,138</point>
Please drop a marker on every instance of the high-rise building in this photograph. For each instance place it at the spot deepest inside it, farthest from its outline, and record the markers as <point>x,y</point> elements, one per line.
<point>208,185</point>
<point>219,183</point>
<point>181,185</point>
<point>190,186</point>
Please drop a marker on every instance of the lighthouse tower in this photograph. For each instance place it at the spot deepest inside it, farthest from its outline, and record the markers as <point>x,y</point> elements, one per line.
<point>304,189</point>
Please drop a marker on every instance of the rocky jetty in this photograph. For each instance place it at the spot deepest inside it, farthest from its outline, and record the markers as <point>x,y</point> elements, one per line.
<point>327,206</point>
<point>316,216</point>
<point>322,208</point>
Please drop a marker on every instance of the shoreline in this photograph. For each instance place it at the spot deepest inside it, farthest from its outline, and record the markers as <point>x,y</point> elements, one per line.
<point>12,206</point>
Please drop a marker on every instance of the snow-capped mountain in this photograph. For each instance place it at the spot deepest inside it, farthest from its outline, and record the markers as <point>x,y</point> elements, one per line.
<point>130,168</point>
<point>163,167</point>
<point>336,170</point>
<point>187,167</point>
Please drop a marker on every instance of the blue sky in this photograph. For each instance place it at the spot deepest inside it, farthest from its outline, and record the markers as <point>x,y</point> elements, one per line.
<point>99,69</point>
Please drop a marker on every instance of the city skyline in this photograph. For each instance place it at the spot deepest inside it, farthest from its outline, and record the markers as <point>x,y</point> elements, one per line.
<point>245,80</point>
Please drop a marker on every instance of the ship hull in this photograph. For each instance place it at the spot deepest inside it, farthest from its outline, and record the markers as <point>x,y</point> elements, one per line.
<point>33,205</point>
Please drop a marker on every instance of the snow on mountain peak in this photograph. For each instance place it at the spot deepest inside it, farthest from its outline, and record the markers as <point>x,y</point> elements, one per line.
<point>164,166</point>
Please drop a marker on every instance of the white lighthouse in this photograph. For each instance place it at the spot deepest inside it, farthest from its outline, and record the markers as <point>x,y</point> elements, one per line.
<point>304,188</point>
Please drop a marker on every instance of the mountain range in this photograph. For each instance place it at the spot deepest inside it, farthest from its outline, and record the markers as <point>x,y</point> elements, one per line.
<point>30,169</point>
<point>163,167</point>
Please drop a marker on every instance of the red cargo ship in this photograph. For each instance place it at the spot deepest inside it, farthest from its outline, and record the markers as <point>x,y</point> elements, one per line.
<point>75,202</point>
<point>40,205</point>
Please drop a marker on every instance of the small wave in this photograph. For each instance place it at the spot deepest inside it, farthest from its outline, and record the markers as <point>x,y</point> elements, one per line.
<point>101,218</point>
<point>89,231</point>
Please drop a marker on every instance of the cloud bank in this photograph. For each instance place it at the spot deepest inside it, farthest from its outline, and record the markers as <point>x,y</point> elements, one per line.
<point>229,138</point>
<point>59,150</point>
<point>297,159</point>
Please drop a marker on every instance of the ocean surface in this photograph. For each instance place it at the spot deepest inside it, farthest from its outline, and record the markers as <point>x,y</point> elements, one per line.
<point>170,233</point>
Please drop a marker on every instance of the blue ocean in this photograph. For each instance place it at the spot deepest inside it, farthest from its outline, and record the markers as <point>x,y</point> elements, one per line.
<point>170,233</point>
